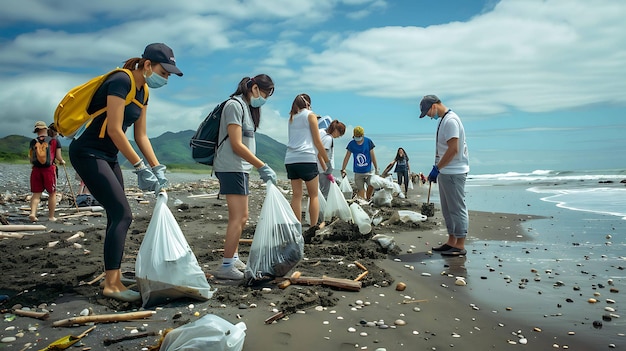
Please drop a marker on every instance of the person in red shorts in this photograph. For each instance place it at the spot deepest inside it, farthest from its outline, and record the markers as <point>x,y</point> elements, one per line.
<point>43,174</point>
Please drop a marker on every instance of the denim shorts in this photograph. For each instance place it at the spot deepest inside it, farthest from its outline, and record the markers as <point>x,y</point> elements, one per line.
<point>233,183</point>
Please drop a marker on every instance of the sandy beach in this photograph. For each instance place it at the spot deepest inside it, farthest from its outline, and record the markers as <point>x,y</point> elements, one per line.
<point>434,312</point>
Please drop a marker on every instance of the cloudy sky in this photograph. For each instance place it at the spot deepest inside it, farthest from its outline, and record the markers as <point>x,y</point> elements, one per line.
<point>539,84</point>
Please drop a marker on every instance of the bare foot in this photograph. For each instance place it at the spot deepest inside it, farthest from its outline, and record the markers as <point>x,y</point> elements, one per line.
<point>33,218</point>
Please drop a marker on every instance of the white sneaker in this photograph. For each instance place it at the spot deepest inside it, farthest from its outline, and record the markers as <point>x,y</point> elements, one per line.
<point>229,272</point>
<point>239,265</point>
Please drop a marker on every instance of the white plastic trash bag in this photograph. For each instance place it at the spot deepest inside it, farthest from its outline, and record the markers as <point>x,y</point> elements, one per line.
<point>378,182</point>
<point>336,205</point>
<point>411,216</point>
<point>382,197</point>
<point>278,244</point>
<point>361,218</point>
<point>209,333</point>
<point>166,268</point>
<point>346,188</point>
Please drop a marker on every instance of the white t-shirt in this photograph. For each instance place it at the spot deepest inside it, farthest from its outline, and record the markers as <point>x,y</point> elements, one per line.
<point>225,158</point>
<point>327,141</point>
<point>450,126</point>
<point>300,147</point>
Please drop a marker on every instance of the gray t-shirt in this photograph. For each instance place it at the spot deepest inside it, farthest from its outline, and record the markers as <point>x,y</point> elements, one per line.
<point>225,159</point>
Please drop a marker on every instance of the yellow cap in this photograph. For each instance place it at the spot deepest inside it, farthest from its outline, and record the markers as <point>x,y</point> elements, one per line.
<point>358,131</point>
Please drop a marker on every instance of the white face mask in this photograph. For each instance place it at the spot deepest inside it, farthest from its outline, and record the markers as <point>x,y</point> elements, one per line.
<point>358,139</point>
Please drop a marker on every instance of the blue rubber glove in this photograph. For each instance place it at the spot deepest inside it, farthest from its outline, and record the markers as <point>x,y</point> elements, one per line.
<point>432,177</point>
<point>329,169</point>
<point>267,174</point>
<point>146,180</point>
<point>159,172</point>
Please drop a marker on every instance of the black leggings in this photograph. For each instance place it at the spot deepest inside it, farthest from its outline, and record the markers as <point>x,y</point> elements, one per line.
<point>104,181</point>
<point>403,178</point>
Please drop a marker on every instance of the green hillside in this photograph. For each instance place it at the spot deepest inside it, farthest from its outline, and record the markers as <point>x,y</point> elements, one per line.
<point>172,149</point>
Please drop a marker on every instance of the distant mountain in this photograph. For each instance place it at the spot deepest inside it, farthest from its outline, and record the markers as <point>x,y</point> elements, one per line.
<point>172,149</point>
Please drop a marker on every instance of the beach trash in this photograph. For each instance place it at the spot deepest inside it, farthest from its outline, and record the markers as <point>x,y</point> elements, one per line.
<point>385,241</point>
<point>382,197</point>
<point>406,216</point>
<point>346,188</point>
<point>361,218</point>
<point>209,333</point>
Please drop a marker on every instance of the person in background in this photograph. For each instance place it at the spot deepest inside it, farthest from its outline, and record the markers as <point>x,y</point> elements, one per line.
<point>95,157</point>
<point>235,158</point>
<point>54,134</point>
<point>334,130</point>
<point>362,149</point>
<point>43,175</point>
<point>402,168</point>
<point>304,149</point>
<point>451,168</point>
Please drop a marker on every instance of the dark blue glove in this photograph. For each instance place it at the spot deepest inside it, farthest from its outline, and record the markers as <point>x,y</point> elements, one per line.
<point>159,172</point>
<point>146,180</point>
<point>432,177</point>
<point>267,174</point>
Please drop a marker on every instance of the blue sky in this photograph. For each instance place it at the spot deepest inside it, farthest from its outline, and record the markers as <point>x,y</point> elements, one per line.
<point>539,84</point>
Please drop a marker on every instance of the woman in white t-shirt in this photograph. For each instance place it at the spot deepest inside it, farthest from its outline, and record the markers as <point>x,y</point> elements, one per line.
<point>301,158</point>
<point>336,129</point>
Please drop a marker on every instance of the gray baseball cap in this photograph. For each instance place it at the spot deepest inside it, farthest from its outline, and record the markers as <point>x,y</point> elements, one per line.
<point>427,103</point>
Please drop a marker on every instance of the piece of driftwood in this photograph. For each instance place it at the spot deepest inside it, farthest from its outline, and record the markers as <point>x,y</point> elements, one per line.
<point>360,265</point>
<point>21,227</point>
<point>82,214</point>
<point>285,283</point>
<point>7,235</point>
<point>32,314</point>
<point>341,283</point>
<point>361,276</point>
<point>245,241</point>
<point>204,196</point>
<point>103,318</point>
<point>274,317</point>
<point>111,341</point>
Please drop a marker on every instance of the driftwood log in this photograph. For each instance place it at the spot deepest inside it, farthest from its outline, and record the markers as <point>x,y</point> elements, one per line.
<point>21,227</point>
<point>103,318</point>
<point>340,283</point>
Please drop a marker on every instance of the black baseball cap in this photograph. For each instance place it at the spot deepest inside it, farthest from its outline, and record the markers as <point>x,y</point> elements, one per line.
<point>163,54</point>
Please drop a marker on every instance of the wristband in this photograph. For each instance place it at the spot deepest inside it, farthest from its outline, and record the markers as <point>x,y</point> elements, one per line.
<point>139,164</point>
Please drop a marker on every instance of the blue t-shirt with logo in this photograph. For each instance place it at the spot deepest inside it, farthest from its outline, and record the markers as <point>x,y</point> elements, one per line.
<point>361,156</point>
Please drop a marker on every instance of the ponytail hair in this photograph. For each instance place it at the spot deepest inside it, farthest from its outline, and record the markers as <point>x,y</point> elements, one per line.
<point>301,101</point>
<point>336,126</point>
<point>133,63</point>
<point>265,84</point>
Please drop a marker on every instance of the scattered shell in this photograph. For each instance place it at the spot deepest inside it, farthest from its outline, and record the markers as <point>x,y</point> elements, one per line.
<point>399,322</point>
<point>363,334</point>
<point>523,341</point>
<point>592,300</point>
<point>84,312</point>
<point>425,274</point>
<point>351,330</point>
<point>537,329</point>
<point>609,309</point>
<point>460,282</point>
<point>400,286</point>
<point>8,339</point>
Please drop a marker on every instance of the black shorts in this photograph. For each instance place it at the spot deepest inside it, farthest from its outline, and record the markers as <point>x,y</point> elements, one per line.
<point>233,183</point>
<point>304,171</point>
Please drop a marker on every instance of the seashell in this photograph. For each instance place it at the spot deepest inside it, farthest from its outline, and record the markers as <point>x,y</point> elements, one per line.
<point>460,282</point>
<point>8,339</point>
<point>592,300</point>
<point>399,322</point>
<point>523,341</point>
<point>400,286</point>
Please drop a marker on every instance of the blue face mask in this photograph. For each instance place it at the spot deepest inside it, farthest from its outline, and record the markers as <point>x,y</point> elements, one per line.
<point>155,81</point>
<point>435,115</point>
<point>257,101</point>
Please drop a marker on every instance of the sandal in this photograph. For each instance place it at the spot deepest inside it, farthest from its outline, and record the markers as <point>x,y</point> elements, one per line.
<point>444,247</point>
<point>454,252</point>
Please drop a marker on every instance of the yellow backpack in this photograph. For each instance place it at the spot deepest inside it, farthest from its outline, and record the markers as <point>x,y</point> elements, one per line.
<point>71,114</point>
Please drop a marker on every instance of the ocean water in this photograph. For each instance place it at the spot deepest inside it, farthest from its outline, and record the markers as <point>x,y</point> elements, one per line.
<point>576,252</point>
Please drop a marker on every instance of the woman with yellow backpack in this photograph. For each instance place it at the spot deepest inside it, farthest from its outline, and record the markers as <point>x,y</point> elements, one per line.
<point>94,151</point>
